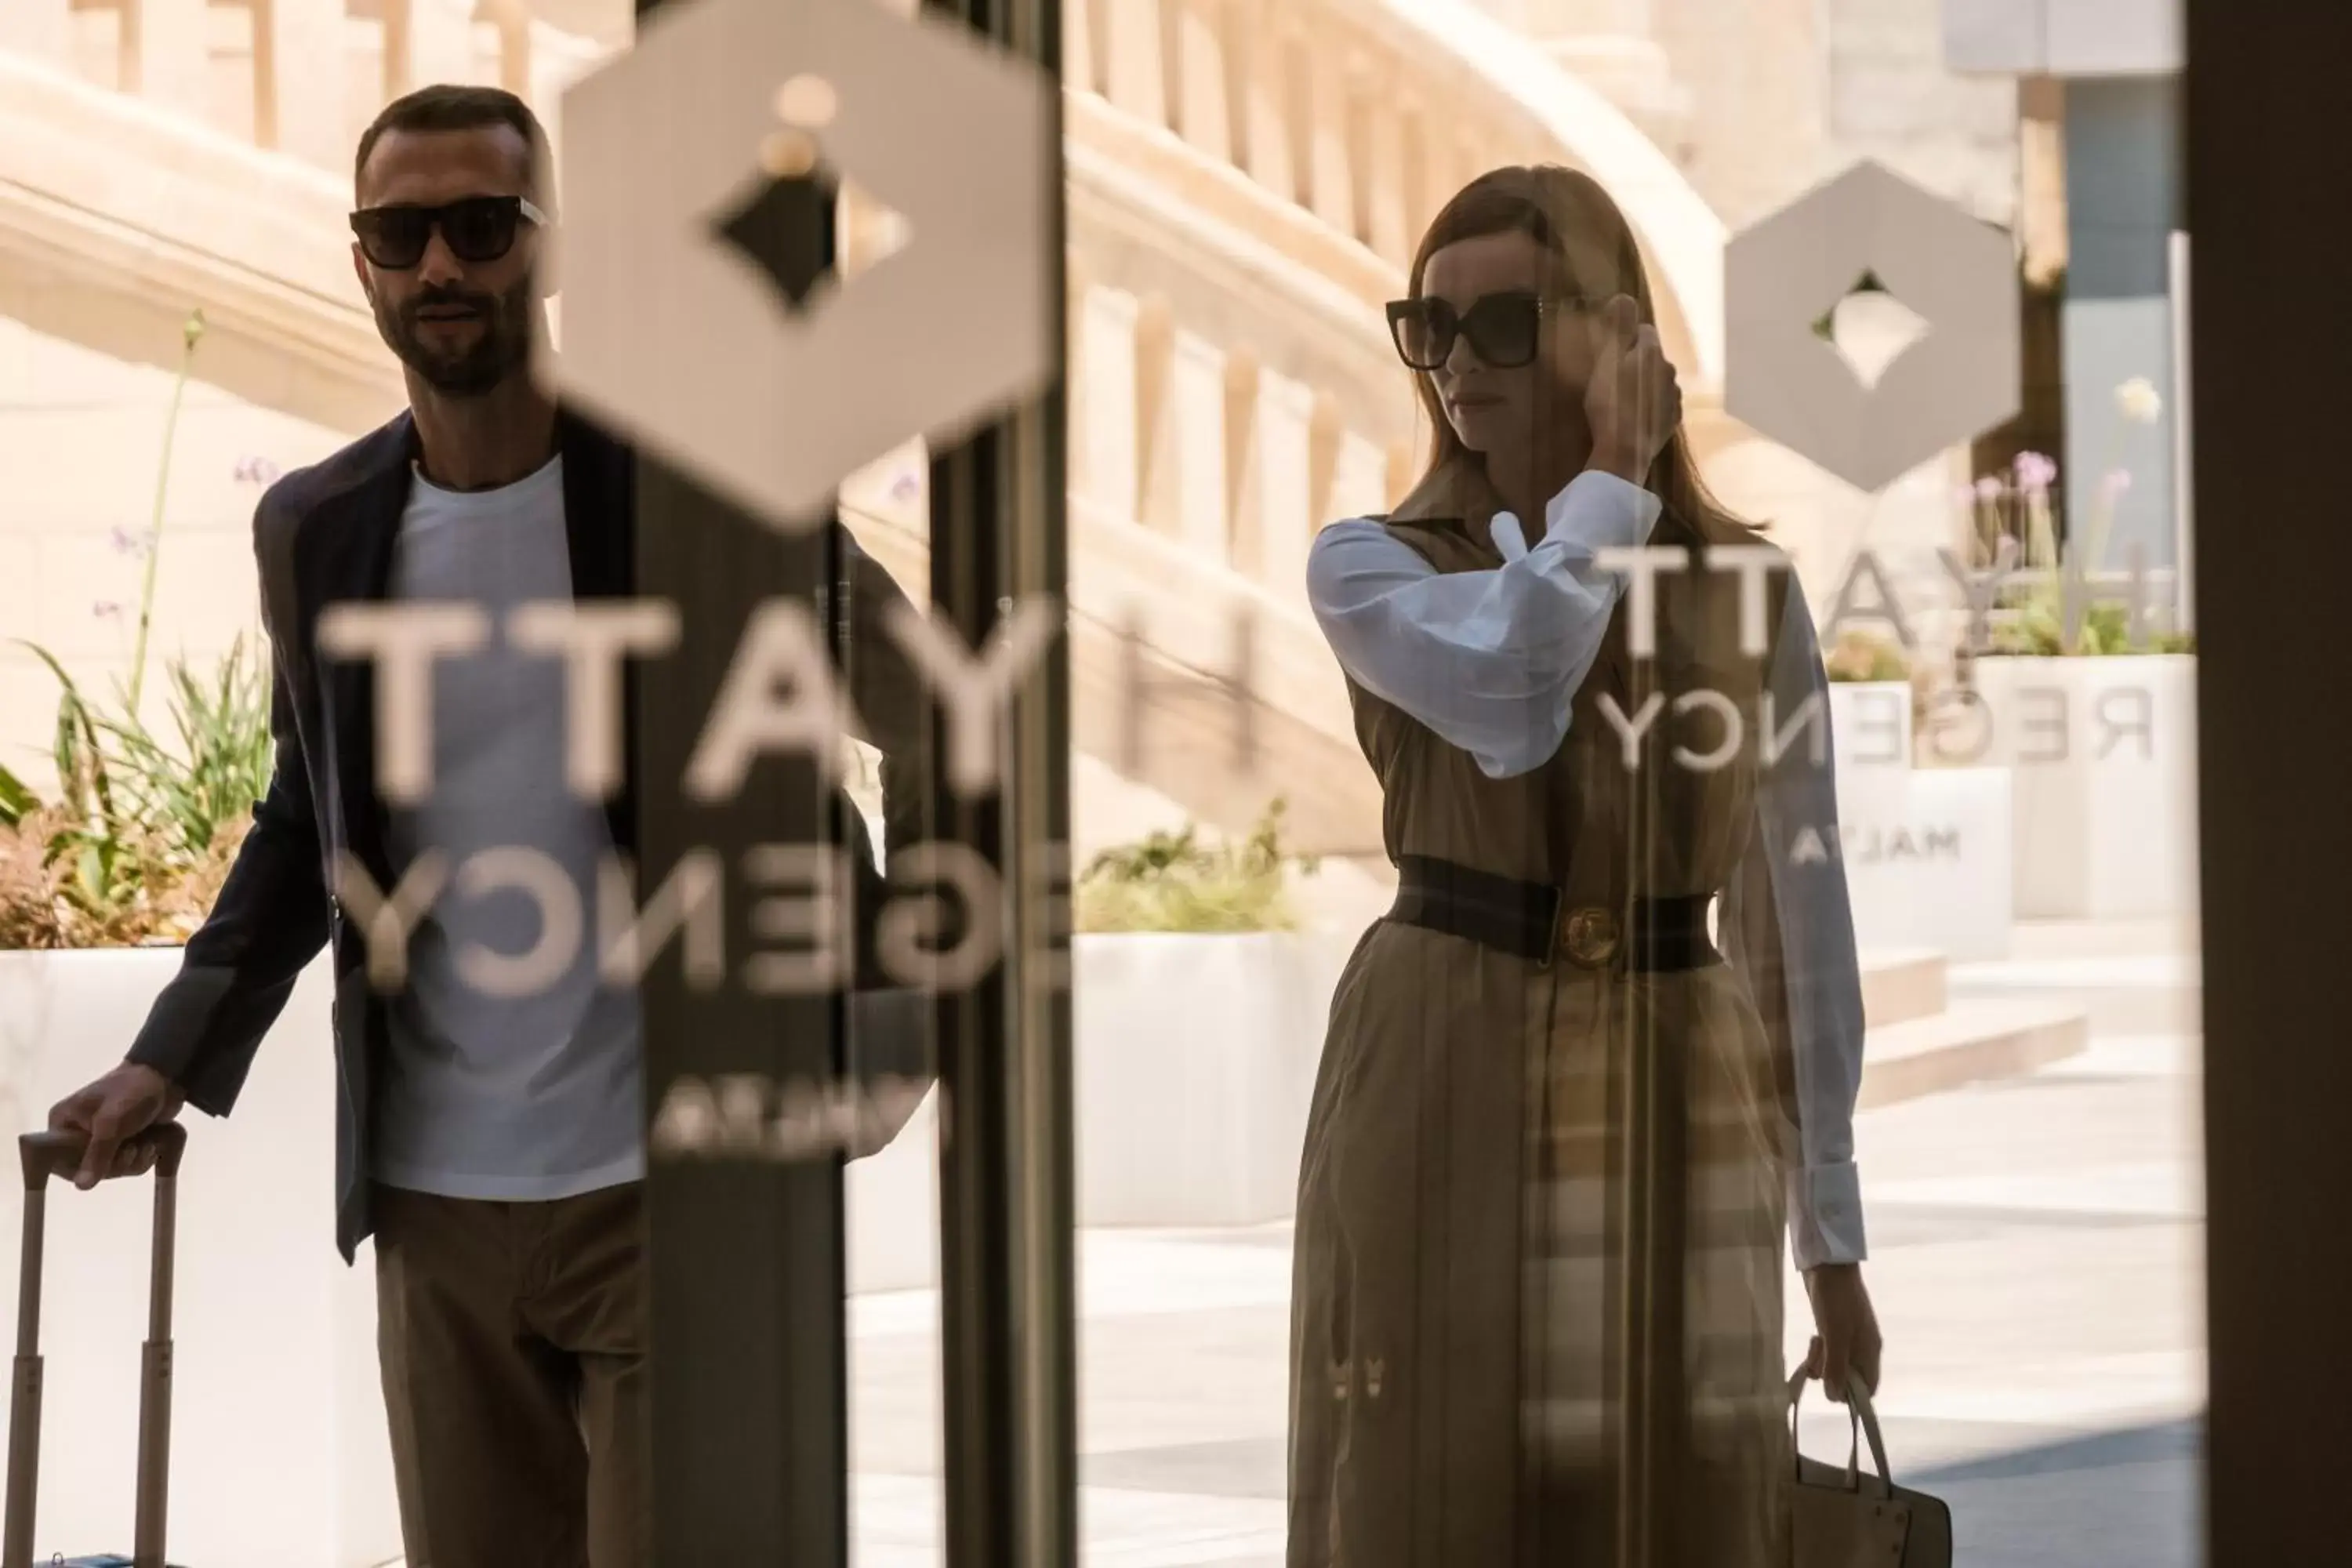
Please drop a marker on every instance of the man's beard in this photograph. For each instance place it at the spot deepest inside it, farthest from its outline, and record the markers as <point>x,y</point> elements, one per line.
<point>501,347</point>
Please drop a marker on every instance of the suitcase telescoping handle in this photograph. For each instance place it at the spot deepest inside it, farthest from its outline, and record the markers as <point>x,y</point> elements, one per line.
<point>48,1155</point>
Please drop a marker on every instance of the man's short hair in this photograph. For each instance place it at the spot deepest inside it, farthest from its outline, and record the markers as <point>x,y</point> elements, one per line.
<point>451,107</point>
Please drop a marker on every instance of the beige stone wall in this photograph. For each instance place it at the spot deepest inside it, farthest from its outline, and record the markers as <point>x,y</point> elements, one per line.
<point>1891,99</point>
<point>1786,92</point>
<point>1757,75</point>
<point>80,440</point>
<point>1783,94</point>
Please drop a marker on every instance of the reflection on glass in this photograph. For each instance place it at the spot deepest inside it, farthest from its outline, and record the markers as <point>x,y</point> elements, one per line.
<point>1560,1134</point>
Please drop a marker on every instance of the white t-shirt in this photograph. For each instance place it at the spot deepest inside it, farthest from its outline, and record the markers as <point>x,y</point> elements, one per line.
<point>522,1097</point>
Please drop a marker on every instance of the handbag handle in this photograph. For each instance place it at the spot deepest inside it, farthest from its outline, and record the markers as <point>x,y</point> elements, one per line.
<point>1865,1425</point>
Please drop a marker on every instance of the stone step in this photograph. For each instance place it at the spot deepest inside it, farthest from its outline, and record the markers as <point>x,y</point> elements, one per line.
<point>1901,985</point>
<point>1974,1042</point>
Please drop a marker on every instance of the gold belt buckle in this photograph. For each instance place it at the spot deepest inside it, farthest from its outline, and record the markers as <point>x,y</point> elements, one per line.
<point>1588,937</point>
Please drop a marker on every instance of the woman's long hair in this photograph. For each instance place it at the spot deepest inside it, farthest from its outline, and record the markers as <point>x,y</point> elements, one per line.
<point>1593,253</point>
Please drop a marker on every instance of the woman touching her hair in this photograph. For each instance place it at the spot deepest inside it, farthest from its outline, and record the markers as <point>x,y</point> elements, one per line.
<point>1620,924</point>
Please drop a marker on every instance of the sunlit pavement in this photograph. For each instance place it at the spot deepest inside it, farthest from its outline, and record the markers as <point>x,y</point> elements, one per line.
<point>2037,1252</point>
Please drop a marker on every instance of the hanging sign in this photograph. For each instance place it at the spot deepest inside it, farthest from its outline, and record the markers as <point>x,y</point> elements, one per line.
<point>1786,379</point>
<point>771,388</point>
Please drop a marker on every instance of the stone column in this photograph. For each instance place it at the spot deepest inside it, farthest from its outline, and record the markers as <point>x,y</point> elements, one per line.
<point>1332,193</point>
<point>1427,174</point>
<point>1078,46</point>
<point>1387,224</point>
<point>426,42</point>
<point>167,53</point>
<point>1107,421</point>
<point>298,80</point>
<point>1360,479</point>
<point>1203,116</point>
<point>1202,517</point>
<point>37,30</point>
<point>1270,482</point>
<point>1474,155</point>
<point>1077,383</point>
<point>513,20</point>
<point>1135,59</point>
<point>1158,498</point>
<point>1405,458</point>
<point>1272,112</point>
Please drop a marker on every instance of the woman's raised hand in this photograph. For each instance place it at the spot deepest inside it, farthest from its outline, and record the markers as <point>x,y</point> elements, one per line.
<point>1633,401</point>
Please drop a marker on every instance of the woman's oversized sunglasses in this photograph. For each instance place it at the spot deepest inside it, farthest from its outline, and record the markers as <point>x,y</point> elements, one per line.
<point>478,229</point>
<point>1506,328</point>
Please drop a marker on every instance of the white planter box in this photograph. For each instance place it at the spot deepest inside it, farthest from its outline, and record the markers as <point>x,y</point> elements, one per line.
<point>1936,873</point>
<point>2103,759</point>
<point>1871,723</point>
<point>1196,1057</point>
<point>893,1197</point>
<point>280,1458</point>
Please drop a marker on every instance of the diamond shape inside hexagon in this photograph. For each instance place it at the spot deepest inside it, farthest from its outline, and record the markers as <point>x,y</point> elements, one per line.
<point>1956,380</point>
<point>670,337</point>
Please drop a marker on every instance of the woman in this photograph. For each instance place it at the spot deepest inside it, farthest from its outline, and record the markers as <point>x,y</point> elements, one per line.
<point>1575,778</point>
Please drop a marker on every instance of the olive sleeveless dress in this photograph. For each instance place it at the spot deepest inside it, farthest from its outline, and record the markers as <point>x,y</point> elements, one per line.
<point>1458,1350</point>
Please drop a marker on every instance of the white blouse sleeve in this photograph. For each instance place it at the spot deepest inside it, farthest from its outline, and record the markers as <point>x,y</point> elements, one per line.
<point>1789,926</point>
<point>1490,661</point>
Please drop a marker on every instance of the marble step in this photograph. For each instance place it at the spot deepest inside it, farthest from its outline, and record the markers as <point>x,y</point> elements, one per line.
<point>1972,1042</point>
<point>1902,983</point>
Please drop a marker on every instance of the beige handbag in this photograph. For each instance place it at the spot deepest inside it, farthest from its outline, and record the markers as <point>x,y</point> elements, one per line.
<point>1845,1519</point>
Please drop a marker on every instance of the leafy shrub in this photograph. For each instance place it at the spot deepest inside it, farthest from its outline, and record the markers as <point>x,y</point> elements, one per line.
<point>1859,656</point>
<point>143,831</point>
<point>2036,628</point>
<point>1173,882</point>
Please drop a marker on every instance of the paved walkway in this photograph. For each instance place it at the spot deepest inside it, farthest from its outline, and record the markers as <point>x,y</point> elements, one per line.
<point>2037,1262</point>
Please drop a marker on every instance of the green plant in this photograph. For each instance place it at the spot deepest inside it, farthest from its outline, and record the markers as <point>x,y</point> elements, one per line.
<point>1859,656</point>
<point>1173,882</point>
<point>2014,510</point>
<point>2036,629</point>
<point>135,816</point>
<point>17,799</point>
<point>196,791</point>
<point>142,831</point>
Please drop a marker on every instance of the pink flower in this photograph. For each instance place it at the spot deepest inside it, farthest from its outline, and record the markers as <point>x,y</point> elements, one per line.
<point>106,610</point>
<point>255,471</point>
<point>2113,488</point>
<point>1989,488</point>
<point>2036,470</point>
<point>126,542</point>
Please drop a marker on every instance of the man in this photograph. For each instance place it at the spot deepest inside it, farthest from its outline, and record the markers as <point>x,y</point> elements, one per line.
<point>491,1144</point>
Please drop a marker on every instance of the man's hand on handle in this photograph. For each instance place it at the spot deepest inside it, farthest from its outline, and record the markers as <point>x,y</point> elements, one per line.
<point>112,1112</point>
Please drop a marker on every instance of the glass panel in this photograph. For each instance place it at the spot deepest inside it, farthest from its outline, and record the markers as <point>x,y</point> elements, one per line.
<point>1518,969</point>
<point>1403,1244</point>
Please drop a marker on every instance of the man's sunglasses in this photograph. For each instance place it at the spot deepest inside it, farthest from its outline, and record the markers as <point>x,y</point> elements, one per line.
<point>478,229</point>
<point>1506,328</point>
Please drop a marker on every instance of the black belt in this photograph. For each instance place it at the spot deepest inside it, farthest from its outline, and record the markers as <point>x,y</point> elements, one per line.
<point>1531,921</point>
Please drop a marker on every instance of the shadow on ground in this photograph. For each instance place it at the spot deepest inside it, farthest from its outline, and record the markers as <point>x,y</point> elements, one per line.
<point>2127,1499</point>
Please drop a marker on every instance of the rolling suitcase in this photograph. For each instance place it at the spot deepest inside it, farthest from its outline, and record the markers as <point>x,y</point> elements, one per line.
<point>48,1155</point>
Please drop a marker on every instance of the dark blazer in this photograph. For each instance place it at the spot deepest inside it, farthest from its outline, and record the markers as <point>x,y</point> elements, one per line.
<point>324,536</point>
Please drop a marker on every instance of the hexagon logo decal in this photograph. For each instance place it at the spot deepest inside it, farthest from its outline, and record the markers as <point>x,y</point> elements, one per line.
<point>1788,381</point>
<point>688,161</point>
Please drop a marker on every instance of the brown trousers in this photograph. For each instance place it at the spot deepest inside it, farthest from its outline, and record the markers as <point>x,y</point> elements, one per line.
<point>511,1337</point>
